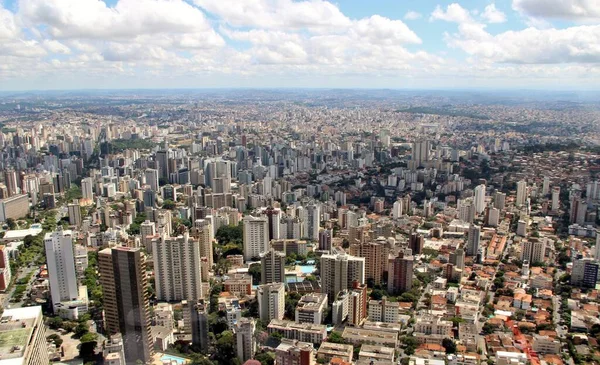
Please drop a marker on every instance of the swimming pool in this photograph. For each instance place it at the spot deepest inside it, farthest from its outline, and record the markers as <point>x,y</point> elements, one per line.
<point>307,269</point>
<point>179,360</point>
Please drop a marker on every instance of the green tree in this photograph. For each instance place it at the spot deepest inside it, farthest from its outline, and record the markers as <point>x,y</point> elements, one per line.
<point>265,358</point>
<point>336,337</point>
<point>255,270</point>
<point>89,337</point>
<point>449,345</point>
<point>168,204</point>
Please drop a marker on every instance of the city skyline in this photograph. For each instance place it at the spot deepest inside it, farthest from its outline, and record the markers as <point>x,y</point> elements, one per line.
<point>129,44</point>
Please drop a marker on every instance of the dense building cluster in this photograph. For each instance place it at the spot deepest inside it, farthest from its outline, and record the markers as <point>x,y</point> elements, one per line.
<point>293,232</point>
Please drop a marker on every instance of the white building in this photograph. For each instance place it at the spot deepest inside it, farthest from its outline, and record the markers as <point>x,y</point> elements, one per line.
<point>271,301</point>
<point>245,344</point>
<point>61,266</point>
<point>521,193</point>
<point>384,311</point>
<point>311,308</point>
<point>256,236</point>
<point>177,268</point>
<point>339,271</point>
<point>479,198</point>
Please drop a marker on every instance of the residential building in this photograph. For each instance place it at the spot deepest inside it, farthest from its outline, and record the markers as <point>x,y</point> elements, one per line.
<point>294,352</point>
<point>311,308</point>
<point>74,211</point>
<point>176,263</point>
<point>431,329</point>
<point>384,311</point>
<point>195,321</point>
<point>305,332</point>
<point>400,273</point>
<point>473,240</point>
<point>339,271</point>
<point>15,207</point>
<point>255,237</point>
<point>24,337</point>
<point>61,266</point>
<point>126,308</point>
<point>245,343</point>
<point>329,350</point>
<point>272,267</point>
<point>375,353</point>
<point>358,336</point>
<point>239,285</point>
<point>271,301</point>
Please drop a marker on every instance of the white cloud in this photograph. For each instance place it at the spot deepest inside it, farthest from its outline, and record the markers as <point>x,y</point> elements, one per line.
<point>412,15</point>
<point>277,14</point>
<point>127,20</point>
<point>578,10</point>
<point>8,26</point>
<point>579,44</point>
<point>493,15</point>
<point>453,13</point>
<point>54,46</point>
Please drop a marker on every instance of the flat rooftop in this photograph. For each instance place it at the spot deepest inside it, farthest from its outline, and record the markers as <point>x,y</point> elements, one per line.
<point>16,329</point>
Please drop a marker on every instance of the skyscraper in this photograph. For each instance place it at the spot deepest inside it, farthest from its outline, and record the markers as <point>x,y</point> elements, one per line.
<point>555,198</point>
<point>152,179</point>
<point>195,322</point>
<point>521,193</point>
<point>74,213</point>
<point>325,237</point>
<point>533,250</point>
<point>397,209</point>
<point>176,266</point>
<point>312,221</point>
<point>479,198</point>
<point>420,153</point>
<point>338,272</point>
<point>87,189</point>
<point>203,231</point>
<point>10,180</point>
<point>272,267</point>
<point>416,243</point>
<point>256,236</point>
<point>473,240</point>
<point>376,256</point>
<point>245,344</point>
<point>61,266</point>
<point>126,309</point>
<point>400,273</point>
<point>271,301</point>
<point>546,186</point>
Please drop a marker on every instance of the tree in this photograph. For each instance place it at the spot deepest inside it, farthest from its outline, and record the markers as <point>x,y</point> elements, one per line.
<point>255,270</point>
<point>377,294</point>
<point>449,345</point>
<point>222,266</point>
<point>55,323</point>
<point>89,337</point>
<point>488,328</point>
<point>55,339</point>
<point>225,350</point>
<point>291,301</point>
<point>410,344</point>
<point>265,358</point>
<point>168,204</point>
<point>11,223</point>
<point>336,337</point>
<point>81,329</point>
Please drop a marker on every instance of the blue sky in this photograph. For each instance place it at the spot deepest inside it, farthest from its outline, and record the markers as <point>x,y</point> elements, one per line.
<point>73,44</point>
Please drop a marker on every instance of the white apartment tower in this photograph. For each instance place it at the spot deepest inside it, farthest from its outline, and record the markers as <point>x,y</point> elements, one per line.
<point>256,236</point>
<point>339,271</point>
<point>479,198</point>
<point>87,189</point>
<point>61,266</point>
<point>521,193</point>
<point>177,268</point>
<point>271,301</point>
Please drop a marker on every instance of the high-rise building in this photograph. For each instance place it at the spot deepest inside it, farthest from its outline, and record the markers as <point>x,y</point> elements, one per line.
<point>162,158</point>
<point>521,193</point>
<point>245,344</point>
<point>10,180</point>
<point>312,221</point>
<point>152,179</point>
<point>596,248</point>
<point>74,213</point>
<point>473,240</point>
<point>546,186</point>
<point>87,189</point>
<point>555,198</point>
<point>271,301</point>
<point>457,258</point>
<point>195,322</point>
<point>397,209</point>
<point>126,308</point>
<point>25,337</point>
<point>273,217</point>
<point>204,231</point>
<point>479,198</point>
<point>499,200</point>
<point>61,267</point>
<point>533,250</point>
<point>256,236</point>
<point>147,232</point>
<point>5,274</point>
<point>339,271</point>
<point>416,242</point>
<point>272,267</point>
<point>420,153</point>
<point>376,256</point>
<point>585,272</point>
<point>325,237</point>
<point>400,273</point>
<point>176,266</point>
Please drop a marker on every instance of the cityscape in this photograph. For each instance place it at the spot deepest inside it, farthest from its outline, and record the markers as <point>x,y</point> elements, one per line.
<point>171,196</point>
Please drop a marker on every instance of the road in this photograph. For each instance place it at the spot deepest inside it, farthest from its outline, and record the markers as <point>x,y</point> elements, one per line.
<point>23,272</point>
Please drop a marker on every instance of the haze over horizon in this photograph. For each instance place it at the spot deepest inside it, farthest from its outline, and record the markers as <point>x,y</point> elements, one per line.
<point>133,44</point>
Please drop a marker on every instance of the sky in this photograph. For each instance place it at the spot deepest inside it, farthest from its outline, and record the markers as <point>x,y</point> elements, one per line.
<point>400,44</point>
